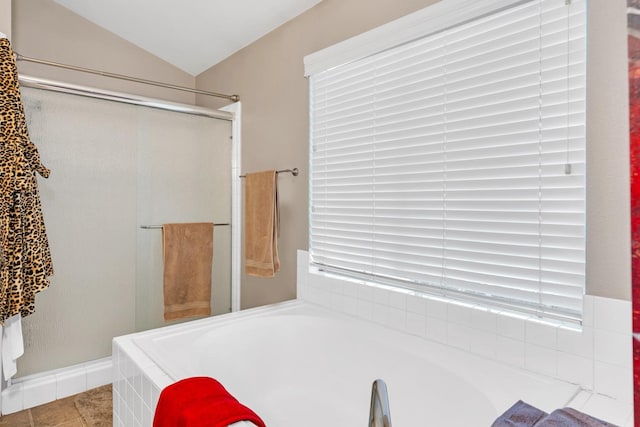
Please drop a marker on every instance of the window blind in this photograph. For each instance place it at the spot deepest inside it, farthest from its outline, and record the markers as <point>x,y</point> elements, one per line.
<point>454,163</point>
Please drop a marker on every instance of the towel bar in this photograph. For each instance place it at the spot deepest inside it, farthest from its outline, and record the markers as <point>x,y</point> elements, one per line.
<point>149,227</point>
<point>294,172</point>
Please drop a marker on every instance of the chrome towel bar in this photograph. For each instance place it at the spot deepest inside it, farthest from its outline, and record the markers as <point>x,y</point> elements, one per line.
<point>149,227</point>
<point>294,172</point>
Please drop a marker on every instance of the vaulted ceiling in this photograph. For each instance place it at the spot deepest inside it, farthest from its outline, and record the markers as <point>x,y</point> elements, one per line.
<point>193,35</point>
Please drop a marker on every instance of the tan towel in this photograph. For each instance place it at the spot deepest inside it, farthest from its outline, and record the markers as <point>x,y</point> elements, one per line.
<point>261,224</point>
<point>187,251</point>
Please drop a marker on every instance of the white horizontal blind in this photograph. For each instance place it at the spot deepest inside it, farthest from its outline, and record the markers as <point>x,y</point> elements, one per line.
<point>455,162</point>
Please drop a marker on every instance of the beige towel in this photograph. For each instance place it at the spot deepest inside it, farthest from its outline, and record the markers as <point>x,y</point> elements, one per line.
<point>261,224</point>
<point>187,251</point>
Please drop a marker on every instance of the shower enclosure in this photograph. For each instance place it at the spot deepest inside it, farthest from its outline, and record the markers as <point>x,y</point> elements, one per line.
<point>117,167</point>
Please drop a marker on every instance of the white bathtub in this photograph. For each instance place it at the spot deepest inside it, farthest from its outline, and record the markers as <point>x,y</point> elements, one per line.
<point>296,364</point>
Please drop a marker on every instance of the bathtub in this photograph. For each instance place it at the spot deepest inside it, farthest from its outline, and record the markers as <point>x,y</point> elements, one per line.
<point>297,364</point>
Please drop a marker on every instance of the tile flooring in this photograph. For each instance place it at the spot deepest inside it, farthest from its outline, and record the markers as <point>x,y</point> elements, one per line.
<point>71,411</point>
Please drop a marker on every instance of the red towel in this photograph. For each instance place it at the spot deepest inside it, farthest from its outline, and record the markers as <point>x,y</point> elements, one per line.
<point>200,402</point>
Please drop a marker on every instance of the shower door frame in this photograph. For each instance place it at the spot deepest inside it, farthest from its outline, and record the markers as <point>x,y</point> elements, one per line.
<point>230,112</point>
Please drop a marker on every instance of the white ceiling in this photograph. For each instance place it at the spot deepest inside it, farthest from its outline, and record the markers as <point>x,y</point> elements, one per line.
<point>193,35</point>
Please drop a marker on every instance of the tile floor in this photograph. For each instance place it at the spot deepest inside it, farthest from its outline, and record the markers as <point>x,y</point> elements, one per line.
<point>60,413</point>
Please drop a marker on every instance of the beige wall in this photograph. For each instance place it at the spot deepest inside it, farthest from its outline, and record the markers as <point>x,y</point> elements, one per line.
<point>608,207</point>
<point>5,17</point>
<point>268,75</point>
<point>45,30</point>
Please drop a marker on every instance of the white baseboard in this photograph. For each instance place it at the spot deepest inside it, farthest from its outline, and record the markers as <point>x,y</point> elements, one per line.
<point>37,389</point>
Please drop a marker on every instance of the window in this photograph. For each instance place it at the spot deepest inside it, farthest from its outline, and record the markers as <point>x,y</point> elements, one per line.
<point>453,160</point>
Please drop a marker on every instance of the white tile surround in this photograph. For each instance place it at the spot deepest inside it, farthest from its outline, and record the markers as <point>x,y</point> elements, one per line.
<point>33,390</point>
<point>137,384</point>
<point>597,356</point>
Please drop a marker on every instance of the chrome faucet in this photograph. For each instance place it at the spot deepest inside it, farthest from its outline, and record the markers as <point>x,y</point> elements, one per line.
<point>379,414</point>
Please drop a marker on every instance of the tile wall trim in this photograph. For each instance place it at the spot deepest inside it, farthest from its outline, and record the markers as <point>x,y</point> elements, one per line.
<point>38,389</point>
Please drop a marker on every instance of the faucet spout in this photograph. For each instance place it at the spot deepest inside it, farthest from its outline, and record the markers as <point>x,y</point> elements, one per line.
<point>379,414</point>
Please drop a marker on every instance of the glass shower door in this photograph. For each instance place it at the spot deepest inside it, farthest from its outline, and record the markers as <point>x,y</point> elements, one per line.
<point>184,175</point>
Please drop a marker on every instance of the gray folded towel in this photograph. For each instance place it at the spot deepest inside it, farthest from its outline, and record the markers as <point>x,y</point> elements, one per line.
<point>521,414</point>
<point>569,417</point>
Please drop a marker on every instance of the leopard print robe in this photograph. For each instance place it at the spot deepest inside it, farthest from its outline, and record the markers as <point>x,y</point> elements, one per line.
<point>25,258</point>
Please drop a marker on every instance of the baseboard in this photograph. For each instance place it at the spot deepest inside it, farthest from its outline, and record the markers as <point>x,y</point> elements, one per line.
<point>37,389</point>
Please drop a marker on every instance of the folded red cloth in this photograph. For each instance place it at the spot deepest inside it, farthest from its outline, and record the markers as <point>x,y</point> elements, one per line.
<point>201,402</point>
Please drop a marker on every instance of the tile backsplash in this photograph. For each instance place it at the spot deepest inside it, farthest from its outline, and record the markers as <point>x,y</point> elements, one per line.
<point>597,356</point>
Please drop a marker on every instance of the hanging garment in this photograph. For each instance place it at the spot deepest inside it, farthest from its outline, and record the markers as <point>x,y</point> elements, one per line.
<point>25,258</point>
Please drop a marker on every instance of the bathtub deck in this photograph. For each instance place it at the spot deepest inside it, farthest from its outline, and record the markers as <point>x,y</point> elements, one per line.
<point>147,362</point>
